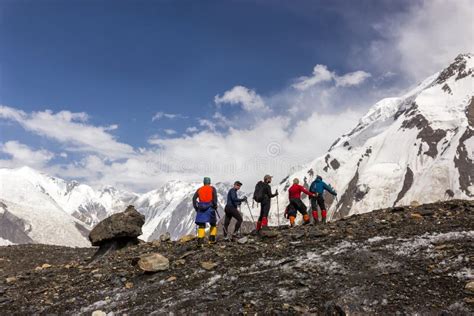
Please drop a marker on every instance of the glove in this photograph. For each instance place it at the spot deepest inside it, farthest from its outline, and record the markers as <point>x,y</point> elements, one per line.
<point>276,193</point>
<point>244,198</point>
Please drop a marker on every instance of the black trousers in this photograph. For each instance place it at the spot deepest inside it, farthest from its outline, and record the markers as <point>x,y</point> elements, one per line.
<point>230,212</point>
<point>318,201</point>
<point>299,206</point>
<point>264,209</point>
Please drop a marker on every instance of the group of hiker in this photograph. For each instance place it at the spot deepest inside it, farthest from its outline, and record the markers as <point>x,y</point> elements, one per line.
<point>205,203</point>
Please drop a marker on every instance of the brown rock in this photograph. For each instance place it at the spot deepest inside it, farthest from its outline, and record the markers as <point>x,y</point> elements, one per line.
<point>208,265</point>
<point>416,216</point>
<point>153,263</point>
<point>187,238</point>
<point>469,288</point>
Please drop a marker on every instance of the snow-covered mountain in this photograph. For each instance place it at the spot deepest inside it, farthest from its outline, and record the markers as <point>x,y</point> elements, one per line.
<point>34,204</point>
<point>417,147</point>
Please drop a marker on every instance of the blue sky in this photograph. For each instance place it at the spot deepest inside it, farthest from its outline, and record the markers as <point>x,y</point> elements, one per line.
<point>111,66</point>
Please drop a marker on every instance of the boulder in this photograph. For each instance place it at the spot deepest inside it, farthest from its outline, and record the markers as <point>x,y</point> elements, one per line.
<point>153,263</point>
<point>127,224</point>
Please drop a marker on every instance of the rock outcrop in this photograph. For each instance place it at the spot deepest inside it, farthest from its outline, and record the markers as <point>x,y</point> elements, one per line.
<point>117,231</point>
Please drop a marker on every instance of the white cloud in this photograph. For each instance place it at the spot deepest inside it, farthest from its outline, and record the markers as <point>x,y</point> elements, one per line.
<point>70,129</point>
<point>192,129</point>
<point>169,131</point>
<point>247,98</point>
<point>425,39</point>
<point>351,79</point>
<point>322,74</point>
<point>160,115</point>
<point>22,155</point>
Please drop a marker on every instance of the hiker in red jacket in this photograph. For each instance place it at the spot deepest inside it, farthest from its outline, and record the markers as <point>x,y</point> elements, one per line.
<point>295,202</point>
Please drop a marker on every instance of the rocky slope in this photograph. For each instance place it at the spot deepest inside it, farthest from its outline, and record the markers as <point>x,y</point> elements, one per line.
<point>417,147</point>
<point>411,260</point>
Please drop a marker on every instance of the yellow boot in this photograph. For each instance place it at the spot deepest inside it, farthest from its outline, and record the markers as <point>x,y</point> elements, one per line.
<point>212,235</point>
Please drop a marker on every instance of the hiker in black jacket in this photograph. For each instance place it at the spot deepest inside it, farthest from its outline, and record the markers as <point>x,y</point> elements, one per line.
<point>263,195</point>
<point>231,210</point>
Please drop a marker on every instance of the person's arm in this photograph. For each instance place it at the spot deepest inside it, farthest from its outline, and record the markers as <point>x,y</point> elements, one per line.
<point>195,196</point>
<point>214,198</point>
<point>329,189</point>
<point>306,191</point>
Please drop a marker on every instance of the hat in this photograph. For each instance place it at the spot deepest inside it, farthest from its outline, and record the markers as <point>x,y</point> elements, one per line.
<point>267,177</point>
<point>207,180</point>
<point>238,183</point>
<point>296,180</point>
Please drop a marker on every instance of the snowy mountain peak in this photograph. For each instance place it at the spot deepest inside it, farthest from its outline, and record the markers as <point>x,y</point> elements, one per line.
<point>416,147</point>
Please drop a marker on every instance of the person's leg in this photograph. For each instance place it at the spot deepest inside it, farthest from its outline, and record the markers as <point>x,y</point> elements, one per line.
<point>236,214</point>
<point>322,206</point>
<point>259,222</point>
<point>314,208</point>
<point>228,217</point>
<point>201,233</point>
<point>265,212</point>
<point>213,223</point>
<point>302,209</point>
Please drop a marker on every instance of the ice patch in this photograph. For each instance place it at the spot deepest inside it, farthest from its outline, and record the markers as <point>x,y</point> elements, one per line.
<point>377,239</point>
<point>426,241</point>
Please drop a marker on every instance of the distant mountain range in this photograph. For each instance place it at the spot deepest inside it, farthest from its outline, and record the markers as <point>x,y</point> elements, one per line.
<point>417,147</point>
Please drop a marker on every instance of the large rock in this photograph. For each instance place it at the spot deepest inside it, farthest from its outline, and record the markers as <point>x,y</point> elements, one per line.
<point>153,263</point>
<point>125,225</point>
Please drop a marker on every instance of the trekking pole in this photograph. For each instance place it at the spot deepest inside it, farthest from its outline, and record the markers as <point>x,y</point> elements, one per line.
<point>278,213</point>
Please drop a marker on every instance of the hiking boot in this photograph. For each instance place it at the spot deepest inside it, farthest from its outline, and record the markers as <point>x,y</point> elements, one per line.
<point>212,239</point>
<point>236,236</point>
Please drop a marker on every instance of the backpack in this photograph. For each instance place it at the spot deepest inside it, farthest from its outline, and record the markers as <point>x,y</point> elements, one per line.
<point>258,192</point>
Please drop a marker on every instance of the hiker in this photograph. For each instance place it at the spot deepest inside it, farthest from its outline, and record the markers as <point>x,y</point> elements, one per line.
<point>231,210</point>
<point>263,195</point>
<point>318,186</point>
<point>297,204</point>
<point>206,210</point>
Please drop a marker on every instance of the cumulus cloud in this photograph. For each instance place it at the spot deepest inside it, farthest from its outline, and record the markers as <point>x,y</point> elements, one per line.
<point>22,155</point>
<point>247,98</point>
<point>322,74</point>
<point>423,40</point>
<point>70,129</point>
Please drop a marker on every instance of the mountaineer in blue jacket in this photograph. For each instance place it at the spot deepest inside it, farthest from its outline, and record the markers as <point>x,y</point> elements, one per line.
<point>318,186</point>
<point>231,210</point>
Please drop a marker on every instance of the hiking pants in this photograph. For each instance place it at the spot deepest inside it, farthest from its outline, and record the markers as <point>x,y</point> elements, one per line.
<point>299,206</point>
<point>230,212</point>
<point>264,210</point>
<point>318,201</point>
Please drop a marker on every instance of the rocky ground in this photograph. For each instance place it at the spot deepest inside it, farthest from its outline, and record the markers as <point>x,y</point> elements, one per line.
<point>412,260</point>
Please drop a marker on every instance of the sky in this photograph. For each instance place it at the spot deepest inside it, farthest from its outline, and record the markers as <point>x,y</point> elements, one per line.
<point>137,93</point>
